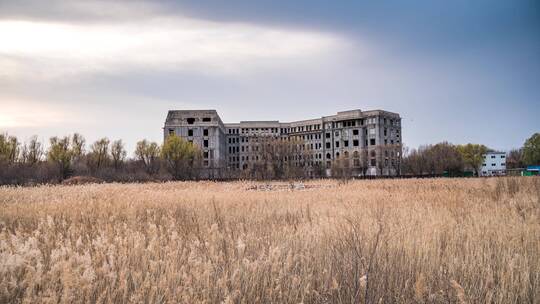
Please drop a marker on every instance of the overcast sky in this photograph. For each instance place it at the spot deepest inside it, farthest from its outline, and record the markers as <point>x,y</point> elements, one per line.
<point>459,71</point>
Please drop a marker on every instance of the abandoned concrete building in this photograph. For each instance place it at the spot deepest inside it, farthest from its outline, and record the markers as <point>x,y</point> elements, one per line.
<point>356,143</point>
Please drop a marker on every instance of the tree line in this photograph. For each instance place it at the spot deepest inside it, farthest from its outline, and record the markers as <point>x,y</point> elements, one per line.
<point>30,162</point>
<point>178,159</point>
<point>453,160</point>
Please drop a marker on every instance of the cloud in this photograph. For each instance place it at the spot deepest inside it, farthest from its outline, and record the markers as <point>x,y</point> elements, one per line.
<point>17,113</point>
<point>49,50</point>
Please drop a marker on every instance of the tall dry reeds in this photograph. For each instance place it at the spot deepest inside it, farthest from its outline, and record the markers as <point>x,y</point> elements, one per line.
<point>383,241</point>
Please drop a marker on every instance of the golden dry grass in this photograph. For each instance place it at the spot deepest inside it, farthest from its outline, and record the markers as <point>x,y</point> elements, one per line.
<point>385,241</point>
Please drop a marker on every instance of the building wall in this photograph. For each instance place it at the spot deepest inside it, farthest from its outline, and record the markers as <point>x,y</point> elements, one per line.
<point>365,143</point>
<point>205,129</point>
<point>494,164</point>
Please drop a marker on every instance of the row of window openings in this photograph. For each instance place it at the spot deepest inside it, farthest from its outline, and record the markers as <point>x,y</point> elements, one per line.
<point>233,140</point>
<point>275,130</point>
<point>350,123</point>
<point>314,136</point>
<point>191,132</point>
<point>371,131</point>
<point>356,162</point>
<point>311,137</point>
<point>191,120</point>
<point>205,143</point>
<point>317,136</point>
<point>355,143</point>
<point>368,121</point>
<point>494,156</point>
<point>293,157</point>
<point>494,164</point>
<point>356,154</point>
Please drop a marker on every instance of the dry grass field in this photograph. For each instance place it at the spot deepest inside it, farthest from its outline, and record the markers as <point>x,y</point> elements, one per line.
<point>383,241</point>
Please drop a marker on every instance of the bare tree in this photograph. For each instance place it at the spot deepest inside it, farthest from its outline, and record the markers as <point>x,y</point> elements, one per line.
<point>32,152</point>
<point>433,159</point>
<point>118,153</point>
<point>99,154</point>
<point>341,167</point>
<point>148,154</point>
<point>278,158</point>
<point>77,146</point>
<point>514,160</point>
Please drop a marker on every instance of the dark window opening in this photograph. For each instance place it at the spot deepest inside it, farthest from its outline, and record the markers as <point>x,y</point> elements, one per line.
<point>372,142</point>
<point>355,132</point>
<point>190,121</point>
<point>171,131</point>
<point>205,132</point>
<point>345,143</point>
<point>355,142</point>
<point>337,144</point>
<point>205,143</point>
<point>373,162</point>
<point>190,132</point>
<point>207,119</point>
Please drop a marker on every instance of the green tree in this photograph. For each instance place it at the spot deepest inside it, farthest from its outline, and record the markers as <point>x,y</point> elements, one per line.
<point>9,148</point>
<point>531,150</point>
<point>473,155</point>
<point>148,154</point>
<point>61,154</point>
<point>181,156</point>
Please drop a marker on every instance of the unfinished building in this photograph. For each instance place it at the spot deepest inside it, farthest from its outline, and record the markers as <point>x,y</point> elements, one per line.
<point>352,143</point>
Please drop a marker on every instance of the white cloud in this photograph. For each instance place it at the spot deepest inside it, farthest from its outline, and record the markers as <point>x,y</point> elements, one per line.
<point>51,50</point>
<point>16,113</point>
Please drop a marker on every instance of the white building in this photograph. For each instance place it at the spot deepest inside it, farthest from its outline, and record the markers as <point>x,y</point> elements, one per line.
<point>494,164</point>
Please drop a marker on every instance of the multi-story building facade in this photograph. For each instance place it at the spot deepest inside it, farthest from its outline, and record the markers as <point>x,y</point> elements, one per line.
<point>494,164</point>
<point>356,142</point>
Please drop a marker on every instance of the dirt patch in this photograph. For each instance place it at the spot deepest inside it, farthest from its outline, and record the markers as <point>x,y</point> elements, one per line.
<point>82,180</point>
<point>281,187</point>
